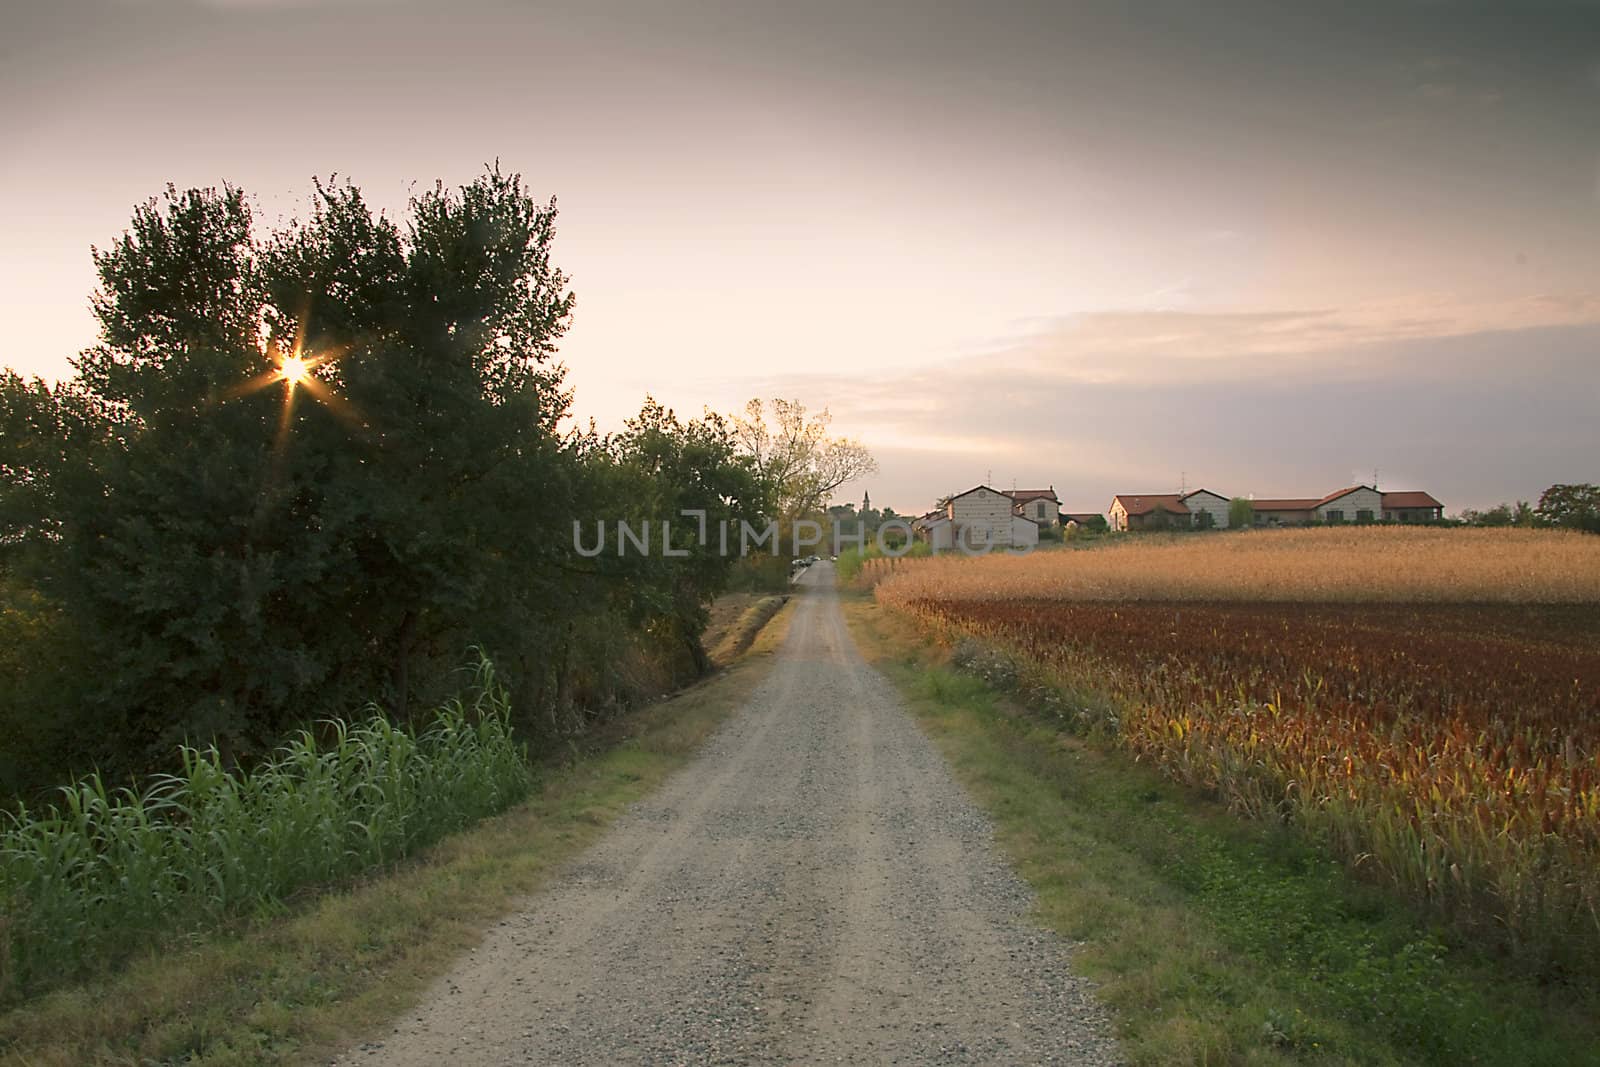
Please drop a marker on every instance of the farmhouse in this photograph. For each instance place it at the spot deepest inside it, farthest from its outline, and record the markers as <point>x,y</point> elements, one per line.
<point>1284,511</point>
<point>1358,503</point>
<point>1039,505</point>
<point>1355,503</point>
<point>1411,507</point>
<point>1148,511</point>
<point>1155,511</point>
<point>981,517</point>
<point>1203,502</point>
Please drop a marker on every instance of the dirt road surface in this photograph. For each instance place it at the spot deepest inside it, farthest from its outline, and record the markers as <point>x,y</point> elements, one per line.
<point>813,888</point>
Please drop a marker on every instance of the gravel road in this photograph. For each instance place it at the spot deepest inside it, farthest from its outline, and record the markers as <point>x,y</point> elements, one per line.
<point>813,888</point>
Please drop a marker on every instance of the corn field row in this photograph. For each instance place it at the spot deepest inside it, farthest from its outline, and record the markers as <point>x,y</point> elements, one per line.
<point>98,874</point>
<point>1373,564</point>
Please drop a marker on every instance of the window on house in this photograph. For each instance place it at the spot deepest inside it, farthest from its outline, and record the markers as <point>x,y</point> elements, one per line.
<point>1364,515</point>
<point>1335,515</point>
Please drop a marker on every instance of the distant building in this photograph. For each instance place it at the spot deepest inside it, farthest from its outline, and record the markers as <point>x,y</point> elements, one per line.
<point>1358,503</point>
<point>1154,511</point>
<point>977,518</point>
<point>1038,505</point>
<point>1355,503</point>
<point>1205,502</point>
<point>1148,511</point>
<point>1411,507</point>
<point>1284,511</point>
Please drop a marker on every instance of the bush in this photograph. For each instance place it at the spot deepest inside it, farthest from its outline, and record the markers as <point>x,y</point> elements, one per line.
<point>759,574</point>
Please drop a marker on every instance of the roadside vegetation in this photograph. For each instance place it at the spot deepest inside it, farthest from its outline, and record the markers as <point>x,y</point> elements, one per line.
<point>1214,939</point>
<point>248,545</point>
<point>733,639</point>
<point>96,875</point>
<point>308,467</point>
<point>316,972</point>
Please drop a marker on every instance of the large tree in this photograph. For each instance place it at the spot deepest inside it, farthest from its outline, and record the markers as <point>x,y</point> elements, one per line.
<point>1575,506</point>
<point>794,455</point>
<point>302,469</point>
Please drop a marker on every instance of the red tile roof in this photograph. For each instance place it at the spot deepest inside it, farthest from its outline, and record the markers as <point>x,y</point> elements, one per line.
<point>1342,492</point>
<point>1024,496</point>
<point>1145,504</point>
<point>1409,499</point>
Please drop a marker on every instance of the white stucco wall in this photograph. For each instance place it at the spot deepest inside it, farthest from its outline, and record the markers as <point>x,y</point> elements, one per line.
<point>1362,499</point>
<point>984,516</point>
<point>1205,500</point>
<point>1043,512</point>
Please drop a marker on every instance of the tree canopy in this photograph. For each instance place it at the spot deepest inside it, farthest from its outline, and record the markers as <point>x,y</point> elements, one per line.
<point>307,468</point>
<point>1576,506</point>
<point>794,456</point>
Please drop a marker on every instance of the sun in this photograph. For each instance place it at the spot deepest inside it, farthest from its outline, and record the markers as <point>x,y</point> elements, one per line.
<point>294,369</point>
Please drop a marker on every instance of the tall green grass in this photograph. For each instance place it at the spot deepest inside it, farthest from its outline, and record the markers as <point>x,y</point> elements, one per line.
<point>94,877</point>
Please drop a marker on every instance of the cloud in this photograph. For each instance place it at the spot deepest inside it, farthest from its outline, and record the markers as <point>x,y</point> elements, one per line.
<point>1177,347</point>
<point>1475,402</point>
<point>1171,297</point>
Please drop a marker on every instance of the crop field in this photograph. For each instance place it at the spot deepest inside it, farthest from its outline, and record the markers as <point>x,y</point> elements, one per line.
<point>1426,702</point>
<point>1382,564</point>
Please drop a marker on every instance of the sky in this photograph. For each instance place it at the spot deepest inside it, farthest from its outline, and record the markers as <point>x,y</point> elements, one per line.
<point>1255,247</point>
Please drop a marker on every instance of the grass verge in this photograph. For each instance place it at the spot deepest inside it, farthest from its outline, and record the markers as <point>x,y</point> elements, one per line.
<point>1216,941</point>
<point>296,986</point>
<point>745,629</point>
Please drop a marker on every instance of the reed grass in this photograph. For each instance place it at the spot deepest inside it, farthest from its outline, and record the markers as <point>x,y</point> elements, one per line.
<point>97,874</point>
